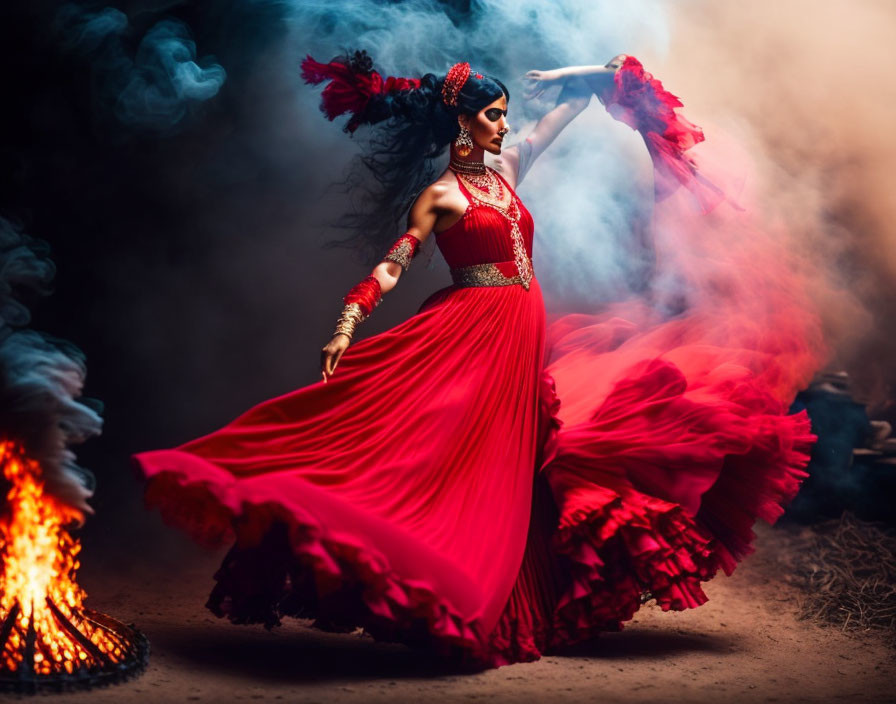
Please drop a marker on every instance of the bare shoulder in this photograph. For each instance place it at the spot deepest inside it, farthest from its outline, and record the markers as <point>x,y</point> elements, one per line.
<point>442,195</point>
<point>440,189</point>
<point>439,201</point>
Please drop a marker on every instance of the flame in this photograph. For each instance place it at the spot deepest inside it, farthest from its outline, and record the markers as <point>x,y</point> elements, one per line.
<point>46,629</point>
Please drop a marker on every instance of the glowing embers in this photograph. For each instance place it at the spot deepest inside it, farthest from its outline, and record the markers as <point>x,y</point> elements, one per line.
<point>48,639</point>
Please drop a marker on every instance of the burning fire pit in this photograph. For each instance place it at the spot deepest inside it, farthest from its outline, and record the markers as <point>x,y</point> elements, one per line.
<point>48,639</point>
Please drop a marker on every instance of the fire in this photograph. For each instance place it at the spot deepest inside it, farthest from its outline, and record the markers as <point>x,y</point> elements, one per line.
<point>44,628</point>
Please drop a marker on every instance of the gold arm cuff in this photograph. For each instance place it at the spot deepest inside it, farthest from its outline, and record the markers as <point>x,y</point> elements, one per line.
<point>402,255</point>
<point>349,319</point>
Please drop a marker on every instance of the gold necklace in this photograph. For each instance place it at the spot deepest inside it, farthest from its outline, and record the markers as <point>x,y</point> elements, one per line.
<point>489,188</point>
<point>466,167</point>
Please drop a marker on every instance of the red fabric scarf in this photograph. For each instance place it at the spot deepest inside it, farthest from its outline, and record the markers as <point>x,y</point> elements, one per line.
<point>640,101</point>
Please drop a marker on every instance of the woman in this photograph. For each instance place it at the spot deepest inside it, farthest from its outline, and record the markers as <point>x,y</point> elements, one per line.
<point>424,489</point>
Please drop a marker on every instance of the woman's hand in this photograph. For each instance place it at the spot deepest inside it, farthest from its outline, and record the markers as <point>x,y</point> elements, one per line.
<point>616,61</point>
<point>332,353</point>
<point>603,83</point>
<point>539,81</point>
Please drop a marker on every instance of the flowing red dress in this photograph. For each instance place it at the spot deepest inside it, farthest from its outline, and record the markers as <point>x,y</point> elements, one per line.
<point>437,492</point>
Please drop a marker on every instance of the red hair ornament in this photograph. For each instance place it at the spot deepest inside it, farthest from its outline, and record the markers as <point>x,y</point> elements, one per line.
<point>454,82</point>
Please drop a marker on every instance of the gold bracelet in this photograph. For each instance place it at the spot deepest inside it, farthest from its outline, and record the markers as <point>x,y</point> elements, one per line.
<point>349,320</point>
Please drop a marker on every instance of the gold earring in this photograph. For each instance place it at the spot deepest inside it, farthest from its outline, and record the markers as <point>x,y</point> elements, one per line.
<point>463,145</point>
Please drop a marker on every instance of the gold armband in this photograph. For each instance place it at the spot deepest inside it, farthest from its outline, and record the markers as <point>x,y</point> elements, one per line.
<point>404,249</point>
<point>359,303</point>
<point>349,319</point>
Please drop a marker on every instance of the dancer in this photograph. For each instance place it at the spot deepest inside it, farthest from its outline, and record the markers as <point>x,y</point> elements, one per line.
<point>432,488</point>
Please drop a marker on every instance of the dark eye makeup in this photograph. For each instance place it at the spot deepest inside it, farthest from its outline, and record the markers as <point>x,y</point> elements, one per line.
<point>494,114</point>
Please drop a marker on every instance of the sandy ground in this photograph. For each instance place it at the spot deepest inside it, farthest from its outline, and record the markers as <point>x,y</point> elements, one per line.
<point>745,645</point>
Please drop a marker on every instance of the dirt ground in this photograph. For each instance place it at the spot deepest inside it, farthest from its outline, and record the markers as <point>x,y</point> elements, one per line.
<point>745,645</point>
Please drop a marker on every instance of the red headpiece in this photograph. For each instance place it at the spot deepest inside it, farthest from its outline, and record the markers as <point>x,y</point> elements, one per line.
<point>454,81</point>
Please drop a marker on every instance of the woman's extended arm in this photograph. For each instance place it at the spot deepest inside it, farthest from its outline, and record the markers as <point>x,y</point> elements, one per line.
<point>598,77</point>
<point>579,83</point>
<point>384,277</point>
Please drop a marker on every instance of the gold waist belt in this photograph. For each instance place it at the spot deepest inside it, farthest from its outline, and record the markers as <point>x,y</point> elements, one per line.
<point>493,274</point>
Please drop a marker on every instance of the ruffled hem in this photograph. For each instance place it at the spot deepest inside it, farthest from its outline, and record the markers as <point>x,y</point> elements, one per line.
<point>620,552</point>
<point>517,640</point>
<point>626,544</point>
<point>288,564</point>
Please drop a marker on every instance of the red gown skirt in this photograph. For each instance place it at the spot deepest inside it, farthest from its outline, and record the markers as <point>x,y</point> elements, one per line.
<point>441,491</point>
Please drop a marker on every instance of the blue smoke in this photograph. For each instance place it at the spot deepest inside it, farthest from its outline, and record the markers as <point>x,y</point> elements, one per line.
<point>87,31</point>
<point>165,80</point>
<point>156,89</point>
<point>41,377</point>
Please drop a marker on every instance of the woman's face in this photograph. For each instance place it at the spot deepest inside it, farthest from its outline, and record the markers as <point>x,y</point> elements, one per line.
<point>488,126</point>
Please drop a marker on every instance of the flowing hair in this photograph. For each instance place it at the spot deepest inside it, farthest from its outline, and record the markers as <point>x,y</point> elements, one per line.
<point>413,128</point>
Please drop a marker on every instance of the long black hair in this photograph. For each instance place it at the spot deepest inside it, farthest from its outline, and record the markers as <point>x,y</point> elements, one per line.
<point>413,126</point>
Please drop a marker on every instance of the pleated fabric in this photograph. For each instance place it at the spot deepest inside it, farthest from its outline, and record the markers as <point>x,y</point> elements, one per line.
<point>397,495</point>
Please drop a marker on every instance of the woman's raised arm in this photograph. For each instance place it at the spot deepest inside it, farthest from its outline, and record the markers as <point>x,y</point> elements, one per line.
<point>579,83</point>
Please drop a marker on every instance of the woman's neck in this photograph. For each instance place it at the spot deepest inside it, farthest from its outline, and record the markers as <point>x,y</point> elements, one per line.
<point>472,163</point>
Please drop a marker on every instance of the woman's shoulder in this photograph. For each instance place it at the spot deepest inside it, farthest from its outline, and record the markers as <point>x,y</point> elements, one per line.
<point>442,200</point>
<point>445,183</point>
<point>440,191</point>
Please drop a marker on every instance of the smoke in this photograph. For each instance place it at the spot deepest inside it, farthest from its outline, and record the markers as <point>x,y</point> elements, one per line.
<point>807,88</point>
<point>157,88</point>
<point>40,377</point>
